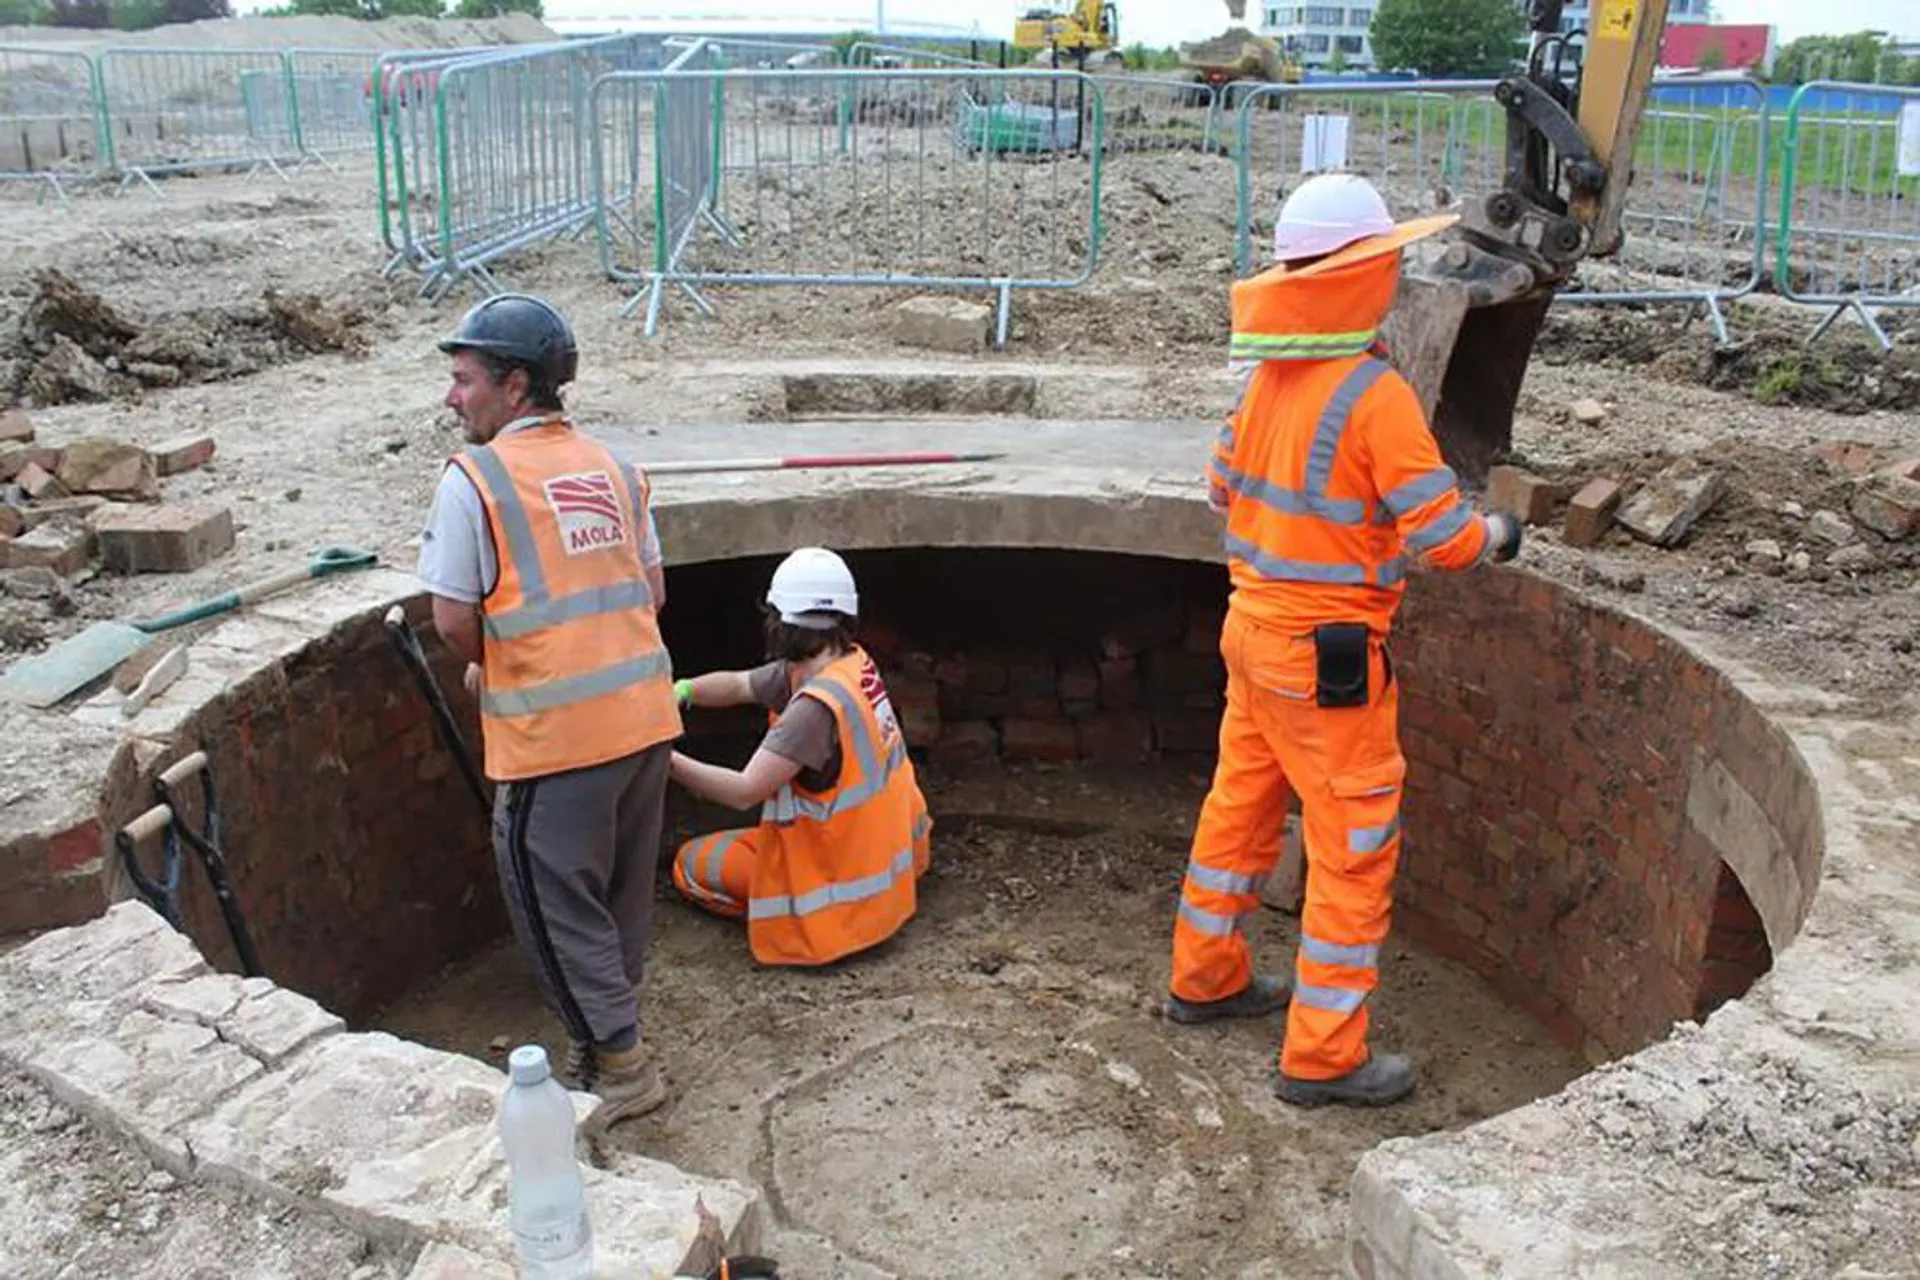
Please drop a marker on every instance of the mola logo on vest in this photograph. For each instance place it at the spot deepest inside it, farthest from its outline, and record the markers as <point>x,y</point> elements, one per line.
<point>588,512</point>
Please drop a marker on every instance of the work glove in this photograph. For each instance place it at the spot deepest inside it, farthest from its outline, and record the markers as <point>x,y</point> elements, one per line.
<point>683,693</point>
<point>1504,532</point>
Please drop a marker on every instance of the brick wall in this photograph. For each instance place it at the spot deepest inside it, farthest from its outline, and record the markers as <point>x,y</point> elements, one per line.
<point>1551,748</point>
<point>359,856</point>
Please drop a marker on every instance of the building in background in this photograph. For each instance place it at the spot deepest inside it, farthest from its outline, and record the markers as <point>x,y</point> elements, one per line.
<point>1712,46</point>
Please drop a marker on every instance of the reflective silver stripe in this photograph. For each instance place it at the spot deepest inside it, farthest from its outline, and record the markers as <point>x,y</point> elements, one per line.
<point>515,527</point>
<point>1280,569</point>
<point>1439,529</point>
<point>832,895</point>
<point>565,692</point>
<point>1294,502</point>
<point>1420,490</point>
<point>591,603</point>
<point>1371,839</point>
<point>1225,438</point>
<point>1208,921</point>
<point>710,874</point>
<point>1332,999</point>
<point>787,805</point>
<point>1333,424</point>
<point>1223,881</point>
<point>1358,956</point>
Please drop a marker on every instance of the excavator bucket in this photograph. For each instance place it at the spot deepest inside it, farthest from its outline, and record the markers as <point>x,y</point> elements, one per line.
<point>1464,347</point>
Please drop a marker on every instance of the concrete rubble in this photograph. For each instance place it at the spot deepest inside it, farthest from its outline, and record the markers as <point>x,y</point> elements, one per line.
<point>240,1081</point>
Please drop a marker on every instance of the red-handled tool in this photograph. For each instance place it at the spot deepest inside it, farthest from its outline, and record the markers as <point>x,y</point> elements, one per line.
<point>799,461</point>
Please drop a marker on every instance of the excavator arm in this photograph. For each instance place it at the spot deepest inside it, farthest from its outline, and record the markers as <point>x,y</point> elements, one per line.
<point>1472,304</point>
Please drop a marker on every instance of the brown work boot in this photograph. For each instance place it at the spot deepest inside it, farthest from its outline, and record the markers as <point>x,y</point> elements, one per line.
<point>627,1084</point>
<point>577,1068</point>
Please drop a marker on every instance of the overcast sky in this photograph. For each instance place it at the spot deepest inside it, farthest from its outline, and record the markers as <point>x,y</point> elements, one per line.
<point>1165,22</point>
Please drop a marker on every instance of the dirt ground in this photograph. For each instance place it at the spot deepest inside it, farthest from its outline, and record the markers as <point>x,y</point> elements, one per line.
<point>993,1092</point>
<point>256,311</point>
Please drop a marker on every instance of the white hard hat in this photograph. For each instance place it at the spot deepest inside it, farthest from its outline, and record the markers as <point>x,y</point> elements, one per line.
<point>810,582</point>
<point>1327,212</point>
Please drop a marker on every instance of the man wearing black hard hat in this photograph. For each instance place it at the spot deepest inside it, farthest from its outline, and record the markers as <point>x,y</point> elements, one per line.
<point>545,570</point>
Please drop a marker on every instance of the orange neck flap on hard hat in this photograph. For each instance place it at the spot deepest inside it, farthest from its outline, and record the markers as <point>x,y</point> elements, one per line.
<point>1325,312</point>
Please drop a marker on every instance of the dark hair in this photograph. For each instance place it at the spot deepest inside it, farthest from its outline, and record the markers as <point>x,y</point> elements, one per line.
<point>541,393</point>
<point>797,644</point>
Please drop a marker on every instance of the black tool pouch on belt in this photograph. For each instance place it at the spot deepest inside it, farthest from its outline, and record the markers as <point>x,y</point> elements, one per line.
<point>1340,664</point>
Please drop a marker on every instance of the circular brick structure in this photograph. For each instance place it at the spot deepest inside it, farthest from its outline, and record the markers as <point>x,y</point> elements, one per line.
<point>1598,821</point>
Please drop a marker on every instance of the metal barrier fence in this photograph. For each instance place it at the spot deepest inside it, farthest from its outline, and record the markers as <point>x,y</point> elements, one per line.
<point>1422,143</point>
<point>928,178</point>
<point>50,122</point>
<point>332,99</point>
<point>867,54</point>
<point>511,165</point>
<point>1848,236</point>
<point>187,110</point>
<point>1145,113</point>
<point>1696,215</point>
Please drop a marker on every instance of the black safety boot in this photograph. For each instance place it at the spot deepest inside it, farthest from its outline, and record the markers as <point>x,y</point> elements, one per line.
<point>1383,1079</point>
<point>1266,993</point>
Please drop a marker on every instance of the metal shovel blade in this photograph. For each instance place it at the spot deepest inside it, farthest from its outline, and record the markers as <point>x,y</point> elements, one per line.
<point>74,663</point>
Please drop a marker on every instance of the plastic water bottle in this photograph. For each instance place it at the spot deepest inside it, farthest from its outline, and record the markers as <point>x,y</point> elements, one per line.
<point>547,1200</point>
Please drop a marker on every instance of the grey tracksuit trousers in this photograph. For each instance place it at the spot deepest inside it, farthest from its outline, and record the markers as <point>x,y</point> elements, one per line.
<point>577,853</point>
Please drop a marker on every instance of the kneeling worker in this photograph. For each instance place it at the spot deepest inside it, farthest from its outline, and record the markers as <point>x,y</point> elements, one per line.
<point>832,867</point>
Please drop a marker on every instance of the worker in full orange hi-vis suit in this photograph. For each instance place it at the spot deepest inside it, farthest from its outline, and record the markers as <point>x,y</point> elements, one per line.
<point>833,866</point>
<point>1333,488</point>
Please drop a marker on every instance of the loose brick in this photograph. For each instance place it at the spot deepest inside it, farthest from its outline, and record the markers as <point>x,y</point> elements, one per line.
<point>14,459</point>
<point>1526,495</point>
<point>1038,740</point>
<point>1888,504</point>
<point>168,538</point>
<point>1115,736</point>
<point>96,465</point>
<point>62,546</point>
<point>15,427</point>
<point>1590,513</point>
<point>1850,457</point>
<point>39,483</point>
<point>1665,509</point>
<point>182,454</point>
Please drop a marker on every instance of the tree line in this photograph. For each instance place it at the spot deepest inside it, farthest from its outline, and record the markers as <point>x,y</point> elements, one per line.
<point>140,15</point>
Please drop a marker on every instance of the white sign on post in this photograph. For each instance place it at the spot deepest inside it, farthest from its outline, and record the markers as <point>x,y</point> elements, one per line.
<point>1323,144</point>
<point>1908,160</point>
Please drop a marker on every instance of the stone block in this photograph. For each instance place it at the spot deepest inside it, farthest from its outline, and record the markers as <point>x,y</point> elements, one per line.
<point>1115,736</point>
<point>144,1076</point>
<point>110,468</point>
<point>1522,493</point>
<point>942,324</point>
<point>449,1262</point>
<point>15,427</point>
<point>1590,512</point>
<point>172,537</point>
<point>13,522</point>
<point>182,454</point>
<point>65,548</point>
<point>39,483</point>
<point>1888,504</point>
<point>1587,411</point>
<point>1026,739</point>
<point>273,1023</point>
<point>1849,457</point>
<point>101,968</point>
<point>204,1000</point>
<point>1667,506</point>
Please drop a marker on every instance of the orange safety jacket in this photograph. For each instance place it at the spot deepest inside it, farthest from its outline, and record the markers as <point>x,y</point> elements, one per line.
<point>841,875</point>
<point>1333,480</point>
<point>574,670</point>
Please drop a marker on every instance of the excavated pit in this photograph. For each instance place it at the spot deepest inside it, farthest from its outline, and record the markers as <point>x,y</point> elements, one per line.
<point>1603,838</point>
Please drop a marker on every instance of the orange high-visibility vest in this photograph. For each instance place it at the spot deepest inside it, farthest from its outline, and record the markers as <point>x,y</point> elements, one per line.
<point>1334,479</point>
<point>842,874</point>
<point>575,672</point>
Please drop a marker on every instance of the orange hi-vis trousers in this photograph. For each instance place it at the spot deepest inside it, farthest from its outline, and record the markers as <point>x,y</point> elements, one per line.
<point>1345,765</point>
<point>715,871</point>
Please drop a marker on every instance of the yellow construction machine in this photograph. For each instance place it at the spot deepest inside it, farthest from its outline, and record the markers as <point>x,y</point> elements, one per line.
<point>1087,33</point>
<point>1473,301</point>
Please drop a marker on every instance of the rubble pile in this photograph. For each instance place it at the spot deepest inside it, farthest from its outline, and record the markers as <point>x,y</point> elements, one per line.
<point>94,503</point>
